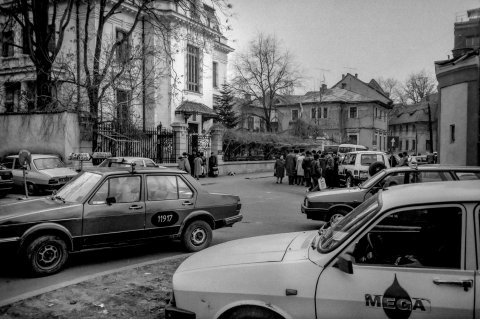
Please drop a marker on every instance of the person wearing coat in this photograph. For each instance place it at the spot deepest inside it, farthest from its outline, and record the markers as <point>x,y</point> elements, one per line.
<point>306,165</point>
<point>212,165</point>
<point>279,169</point>
<point>290,166</point>
<point>197,166</point>
<point>183,163</point>
<point>300,170</point>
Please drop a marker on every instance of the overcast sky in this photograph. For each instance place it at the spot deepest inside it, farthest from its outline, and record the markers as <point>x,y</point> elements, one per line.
<point>374,38</point>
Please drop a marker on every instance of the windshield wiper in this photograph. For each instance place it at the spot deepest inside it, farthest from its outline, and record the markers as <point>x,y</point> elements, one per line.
<point>58,197</point>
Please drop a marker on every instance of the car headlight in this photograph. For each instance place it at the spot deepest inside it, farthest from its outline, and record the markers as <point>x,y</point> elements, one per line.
<point>305,202</point>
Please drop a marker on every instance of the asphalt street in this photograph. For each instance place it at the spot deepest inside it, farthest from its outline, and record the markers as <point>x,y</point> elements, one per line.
<point>268,208</point>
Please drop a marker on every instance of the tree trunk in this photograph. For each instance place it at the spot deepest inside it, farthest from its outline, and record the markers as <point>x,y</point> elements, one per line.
<point>93,99</point>
<point>43,87</point>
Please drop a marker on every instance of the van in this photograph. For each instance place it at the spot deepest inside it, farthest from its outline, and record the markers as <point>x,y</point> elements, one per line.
<point>347,148</point>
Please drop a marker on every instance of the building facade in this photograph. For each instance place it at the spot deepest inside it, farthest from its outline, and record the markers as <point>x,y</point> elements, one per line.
<point>466,32</point>
<point>173,76</point>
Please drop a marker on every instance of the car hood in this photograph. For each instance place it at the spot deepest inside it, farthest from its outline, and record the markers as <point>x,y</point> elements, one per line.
<point>333,195</point>
<point>59,172</point>
<point>269,248</point>
<point>25,210</point>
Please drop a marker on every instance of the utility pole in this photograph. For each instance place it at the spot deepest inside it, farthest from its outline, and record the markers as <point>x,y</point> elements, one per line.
<point>430,123</point>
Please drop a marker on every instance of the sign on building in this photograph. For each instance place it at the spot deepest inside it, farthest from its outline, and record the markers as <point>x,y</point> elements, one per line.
<point>393,142</point>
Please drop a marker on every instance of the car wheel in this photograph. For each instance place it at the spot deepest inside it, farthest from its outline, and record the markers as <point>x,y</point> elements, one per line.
<point>197,236</point>
<point>337,215</point>
<point>349,181</point>
<point>32,189</point>
<point>253,312</point>
<point>46,255</point>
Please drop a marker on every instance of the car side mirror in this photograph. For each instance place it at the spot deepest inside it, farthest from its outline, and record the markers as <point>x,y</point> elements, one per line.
<point>110,200</point>
<point>344,265</point>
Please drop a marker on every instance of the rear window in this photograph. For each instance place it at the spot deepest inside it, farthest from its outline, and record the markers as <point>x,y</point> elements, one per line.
<point>465,176</point>
<point>368,159</point>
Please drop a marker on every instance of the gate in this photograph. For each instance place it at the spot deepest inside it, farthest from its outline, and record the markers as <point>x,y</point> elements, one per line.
<point>155,143</point>
<point>198,143</point>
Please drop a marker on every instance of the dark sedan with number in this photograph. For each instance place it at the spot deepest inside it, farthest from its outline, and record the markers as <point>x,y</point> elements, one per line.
<point>330,205</point>
<point>106,207</point>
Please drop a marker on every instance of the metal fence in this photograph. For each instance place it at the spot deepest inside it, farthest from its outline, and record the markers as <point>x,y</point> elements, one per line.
<point>127,140</point>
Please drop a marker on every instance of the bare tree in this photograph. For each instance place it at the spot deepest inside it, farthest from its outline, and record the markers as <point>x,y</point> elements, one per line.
<point>392,87</point>
<point>263,71</point>
<point>418,86</point>
<point>43,26</point>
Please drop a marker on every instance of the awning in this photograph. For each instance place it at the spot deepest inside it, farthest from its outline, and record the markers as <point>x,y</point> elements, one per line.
<point>189,107</point>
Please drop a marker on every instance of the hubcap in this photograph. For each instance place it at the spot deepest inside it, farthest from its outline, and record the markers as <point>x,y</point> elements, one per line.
<point>48,256</point>
<point>198,236</point>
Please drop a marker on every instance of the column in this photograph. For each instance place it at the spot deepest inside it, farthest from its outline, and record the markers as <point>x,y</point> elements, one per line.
<point>180,130</point>
<point>216,134</point>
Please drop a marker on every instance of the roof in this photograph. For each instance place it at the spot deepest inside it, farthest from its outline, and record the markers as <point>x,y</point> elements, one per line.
<point>376,92</point>
<point>190,107</point>
<point>415,112</point>
<point>458,59</point>
<point>431,193</point>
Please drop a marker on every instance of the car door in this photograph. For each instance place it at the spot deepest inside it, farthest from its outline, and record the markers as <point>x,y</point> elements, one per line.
<point>107,222</point>
<point>169,200</point>
<point>411,262</point>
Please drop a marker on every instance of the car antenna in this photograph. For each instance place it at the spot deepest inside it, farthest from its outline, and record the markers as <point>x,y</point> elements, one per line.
<point>132,166</point>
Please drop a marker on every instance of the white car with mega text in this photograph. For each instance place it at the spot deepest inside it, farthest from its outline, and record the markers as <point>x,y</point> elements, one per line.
<point>406,252</point>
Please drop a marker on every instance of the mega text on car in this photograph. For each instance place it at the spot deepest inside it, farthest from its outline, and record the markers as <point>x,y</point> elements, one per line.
<point>328,205</point>
<point>105,207</point>
<point>410,251</point>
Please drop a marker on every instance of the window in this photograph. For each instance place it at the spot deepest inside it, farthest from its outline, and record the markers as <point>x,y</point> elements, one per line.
<point>193,68</point>
<point>7,44</point>
<point>406,145</point>
<point>472,42</point>
<point>427,145</point>
<point>262,125</point>
<point>376,112</point>
<point>8,163</point>
<point>353,139</point>
<point>250,122</point>
<point>413,145</point>
<point>398,178</point>
<point>294,115</point>
<point>465,176</point>
<point>161,188</point>
<point>314,112</point>
<point>53,41</point>
<point>325,112</point>
<point>123,50</point>
<point>123,189</point>
<point>414,238</point>
<point>12,94</point>
<point>215,74</point>
<point>123,106</point>
<point>352,159</point>
<point>452,133</point>
<point>353,112</point>
<point>184,192</point>
<point>368,159</point>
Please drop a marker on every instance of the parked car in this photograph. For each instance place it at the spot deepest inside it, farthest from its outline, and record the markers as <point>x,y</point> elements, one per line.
<point>6,179</point>
<point>45,173</point>
<point>108,207</point>
<point>419,159</point>
<point>353,169</point>
<point>127,161</point>
<point>408,251</point>
<point>329,205</point>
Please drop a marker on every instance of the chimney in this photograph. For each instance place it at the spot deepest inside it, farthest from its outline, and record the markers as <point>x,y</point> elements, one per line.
<point>343,76</point>
<point>356,75</point>
<point>323,89</point>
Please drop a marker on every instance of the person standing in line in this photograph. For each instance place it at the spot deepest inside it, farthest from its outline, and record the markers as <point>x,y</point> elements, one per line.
<point>279,169</point>
<point>330,163</point>
<point>197,166</point>
<point>336,180</point>
<point>290,164</point>
<point>204,165</point>
<point>191,161</point>
<point>306,165</point>
<point>300,171</point>
<point>183,163</point>
<point>212,164</point>
<point>316,173</point>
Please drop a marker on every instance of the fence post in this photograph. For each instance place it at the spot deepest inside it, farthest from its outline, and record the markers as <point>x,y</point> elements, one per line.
<point>180,136</point>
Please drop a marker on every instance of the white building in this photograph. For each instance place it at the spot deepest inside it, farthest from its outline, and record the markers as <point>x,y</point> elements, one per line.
<point>172,76</point>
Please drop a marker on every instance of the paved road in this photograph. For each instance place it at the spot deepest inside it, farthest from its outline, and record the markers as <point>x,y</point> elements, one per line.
<point>267,207</point>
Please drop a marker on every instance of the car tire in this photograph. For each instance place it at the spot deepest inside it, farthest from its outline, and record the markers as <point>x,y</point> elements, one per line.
<point>376,167</point>
<point>46,255</point>
<point>336,214</point>
<point>253,312</point>
<point>32,189</point>
<point>197,236</point>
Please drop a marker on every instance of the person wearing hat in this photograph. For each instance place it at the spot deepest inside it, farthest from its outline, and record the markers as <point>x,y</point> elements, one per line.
<point>183,163</point>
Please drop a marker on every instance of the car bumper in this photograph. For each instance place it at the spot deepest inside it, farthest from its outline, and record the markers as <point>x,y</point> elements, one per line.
<point>6,185</point>
<point>172,312</point>
<point>314,213</point>
<point>232,220</point>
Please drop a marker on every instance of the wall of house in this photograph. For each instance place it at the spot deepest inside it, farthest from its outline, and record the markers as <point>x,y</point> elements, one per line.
<point>56,133</point>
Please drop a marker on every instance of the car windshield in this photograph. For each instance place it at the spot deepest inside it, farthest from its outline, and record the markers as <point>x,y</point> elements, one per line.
<point>373,180</point>
<point>47,163</point>
<point>78,188</point>
<point>333,236</point>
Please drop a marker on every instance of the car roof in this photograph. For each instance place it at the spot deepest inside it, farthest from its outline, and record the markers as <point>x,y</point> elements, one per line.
<point>366,152</point>
<point>130,158</point>
<point>433,167</point>
<point>123,170</point>
<point>36,156</point>
<point>431,193</point>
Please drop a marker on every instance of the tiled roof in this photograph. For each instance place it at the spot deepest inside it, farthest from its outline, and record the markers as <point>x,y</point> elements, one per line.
<point>195,107</point>
<point>334,95</point>
<point>414,113</point>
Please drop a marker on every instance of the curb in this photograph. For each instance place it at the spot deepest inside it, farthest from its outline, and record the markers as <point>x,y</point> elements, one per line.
<point>85,278</point>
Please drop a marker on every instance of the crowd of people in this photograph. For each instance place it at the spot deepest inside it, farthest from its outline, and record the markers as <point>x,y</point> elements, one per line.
<point>196,164</point>
<point>307,168</point>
